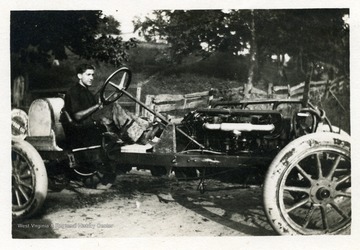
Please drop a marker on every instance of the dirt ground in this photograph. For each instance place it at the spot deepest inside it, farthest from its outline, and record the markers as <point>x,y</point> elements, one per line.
<point>140,205</point>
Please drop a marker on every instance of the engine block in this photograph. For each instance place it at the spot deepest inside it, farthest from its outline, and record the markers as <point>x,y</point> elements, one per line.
<point>238,131</point>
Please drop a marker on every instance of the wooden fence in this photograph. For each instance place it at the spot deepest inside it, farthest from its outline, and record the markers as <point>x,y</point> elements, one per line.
<point>167,104</point>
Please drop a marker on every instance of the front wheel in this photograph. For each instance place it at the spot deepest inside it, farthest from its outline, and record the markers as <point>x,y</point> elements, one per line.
<point>307,189</point>
<point>29,179</point>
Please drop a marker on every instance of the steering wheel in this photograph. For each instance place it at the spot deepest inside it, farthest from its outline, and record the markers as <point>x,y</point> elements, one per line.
<point>117,81</point>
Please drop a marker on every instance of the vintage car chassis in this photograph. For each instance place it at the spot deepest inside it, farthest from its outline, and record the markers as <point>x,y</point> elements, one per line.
<point>307,188</point>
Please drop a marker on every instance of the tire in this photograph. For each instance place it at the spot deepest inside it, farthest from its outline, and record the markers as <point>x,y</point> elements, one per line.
<point>302,198</point>
<point>29,179</point>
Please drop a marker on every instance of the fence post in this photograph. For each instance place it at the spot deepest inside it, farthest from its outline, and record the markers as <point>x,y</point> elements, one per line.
<point>185,102</point>
<point>138,96</point>
<point>306,91</point>
<point>270,90</point>
<point>247,89</point>
<point>149,103</point>
<point>211,97</point>
<point>327,88</point>
<point>289,90</point>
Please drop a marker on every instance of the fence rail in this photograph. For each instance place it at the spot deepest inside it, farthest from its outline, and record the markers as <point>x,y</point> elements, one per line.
<point>165,103</point>
<point>168,103</point>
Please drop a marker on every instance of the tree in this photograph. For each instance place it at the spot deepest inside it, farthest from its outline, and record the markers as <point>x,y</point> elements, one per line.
<point>253,52</point>
<point>307,35</point>
<point>38,36</point>
<point>109,25</point>
<point>196,31</point>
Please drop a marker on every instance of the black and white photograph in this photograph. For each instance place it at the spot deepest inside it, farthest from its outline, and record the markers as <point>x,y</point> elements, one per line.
<point>203,123</point>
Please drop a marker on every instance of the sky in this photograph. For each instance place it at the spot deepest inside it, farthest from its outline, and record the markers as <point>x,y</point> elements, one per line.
<point>125,17</point>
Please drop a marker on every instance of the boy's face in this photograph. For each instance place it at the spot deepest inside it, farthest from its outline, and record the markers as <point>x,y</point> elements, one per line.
<point>87,77</point>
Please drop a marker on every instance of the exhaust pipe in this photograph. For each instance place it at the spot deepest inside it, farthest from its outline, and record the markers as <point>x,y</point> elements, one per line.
<point>242,127</point>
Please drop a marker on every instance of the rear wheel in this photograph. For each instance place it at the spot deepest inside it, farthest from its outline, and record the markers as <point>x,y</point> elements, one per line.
<point>307,189</point>
<point>29,179</point>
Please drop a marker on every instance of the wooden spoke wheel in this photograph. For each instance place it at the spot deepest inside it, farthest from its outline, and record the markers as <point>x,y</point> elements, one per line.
<point>307,189</point>
<point>29,179</point>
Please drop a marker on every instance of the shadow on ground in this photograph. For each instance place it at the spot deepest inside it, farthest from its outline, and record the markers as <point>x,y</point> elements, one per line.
<point>232,205</point>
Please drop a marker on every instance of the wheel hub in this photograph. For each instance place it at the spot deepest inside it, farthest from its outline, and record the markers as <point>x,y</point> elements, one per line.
<point>322,191</point>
